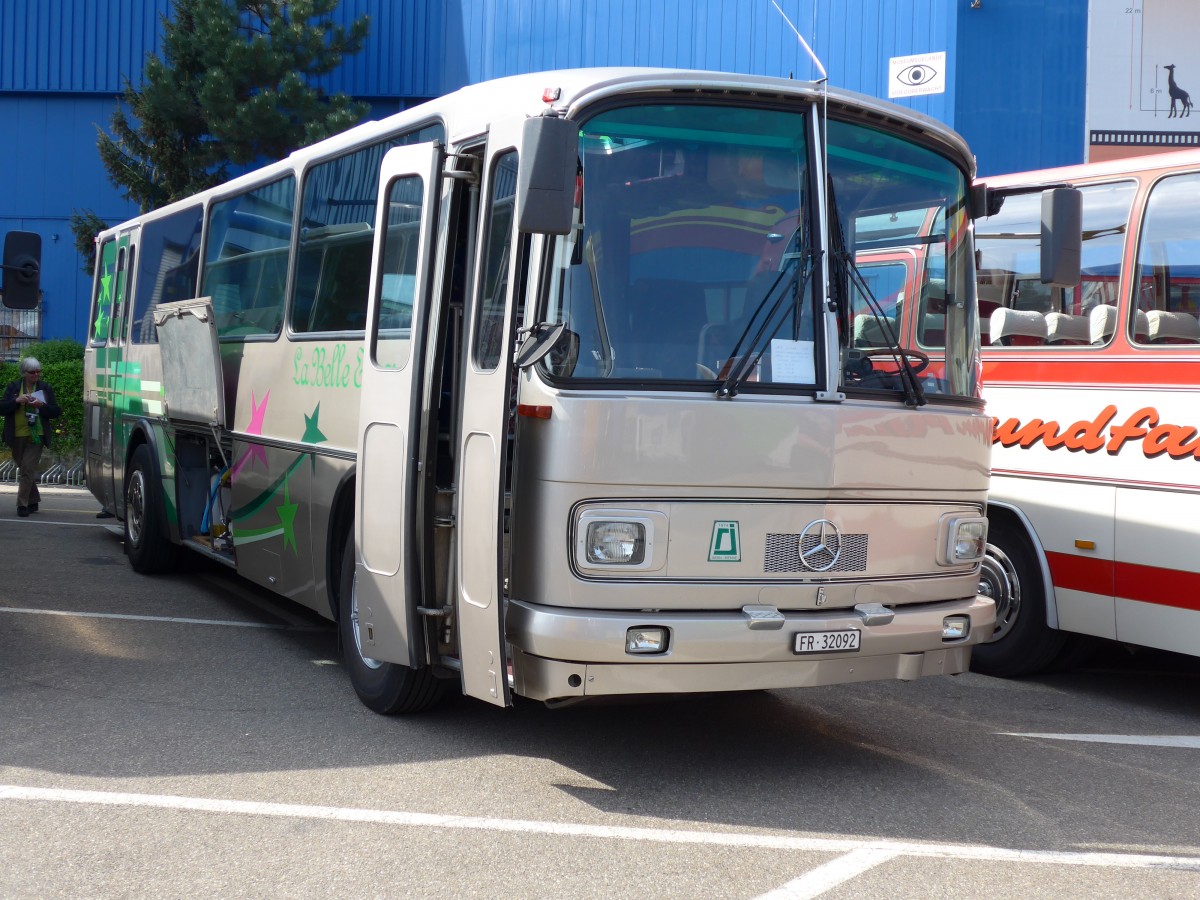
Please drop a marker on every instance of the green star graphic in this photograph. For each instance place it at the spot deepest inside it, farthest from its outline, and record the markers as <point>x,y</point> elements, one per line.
<point>102,305</point>
<point>287,517</point>
<point>102,323</point>
<point>312,434</point>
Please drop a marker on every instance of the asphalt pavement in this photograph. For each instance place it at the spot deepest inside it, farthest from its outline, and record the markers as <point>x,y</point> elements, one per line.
<point>190,735</point>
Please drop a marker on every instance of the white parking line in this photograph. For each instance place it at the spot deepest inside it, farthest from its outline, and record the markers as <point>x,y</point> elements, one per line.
<point>863,851</point>
<point>817,881</point>
<point>40,521</point>
<point>1142,740</point>
<point>133,618</point>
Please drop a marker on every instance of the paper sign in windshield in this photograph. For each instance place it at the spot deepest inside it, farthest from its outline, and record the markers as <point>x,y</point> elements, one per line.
<point>792,361</point>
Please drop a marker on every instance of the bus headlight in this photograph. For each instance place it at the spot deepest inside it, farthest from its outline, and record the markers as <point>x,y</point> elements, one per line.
<point>964,540</point>
<point>615,543</point>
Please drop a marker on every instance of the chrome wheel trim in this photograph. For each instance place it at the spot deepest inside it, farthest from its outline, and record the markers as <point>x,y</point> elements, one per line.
<point>998,580</point>
<point>366,660</point>
<point>135,506</point>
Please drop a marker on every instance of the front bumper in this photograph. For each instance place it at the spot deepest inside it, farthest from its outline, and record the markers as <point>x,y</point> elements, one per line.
<point>559,652</point>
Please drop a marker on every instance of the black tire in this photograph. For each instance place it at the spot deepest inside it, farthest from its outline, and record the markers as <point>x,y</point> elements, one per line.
<point>1022,643</point>
<point>387,688</point>
<point>147,540</point>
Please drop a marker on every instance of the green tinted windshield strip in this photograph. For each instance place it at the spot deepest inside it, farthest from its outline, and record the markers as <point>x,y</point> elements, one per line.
<point>642,131</point>
<point>881,162</point>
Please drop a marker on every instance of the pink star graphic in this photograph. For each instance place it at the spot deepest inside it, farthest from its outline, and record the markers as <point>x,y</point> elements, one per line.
<point>254,451</point>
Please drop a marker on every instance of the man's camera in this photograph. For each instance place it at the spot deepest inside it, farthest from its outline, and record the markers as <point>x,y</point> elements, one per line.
<point>31,418</point>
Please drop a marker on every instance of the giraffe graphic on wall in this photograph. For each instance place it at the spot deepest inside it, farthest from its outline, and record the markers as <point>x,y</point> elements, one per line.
<point>1177,93</point>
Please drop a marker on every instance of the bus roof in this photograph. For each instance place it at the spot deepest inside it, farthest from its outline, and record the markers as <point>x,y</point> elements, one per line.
<point>1131,165</point>
<point>468,112</point>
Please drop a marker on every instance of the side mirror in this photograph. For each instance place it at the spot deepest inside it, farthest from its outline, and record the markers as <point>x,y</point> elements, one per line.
<point>541,340</point>
<point>22,269</point>
<point>1062,236</point>
<point>546,177</point>
<point>983,201</point>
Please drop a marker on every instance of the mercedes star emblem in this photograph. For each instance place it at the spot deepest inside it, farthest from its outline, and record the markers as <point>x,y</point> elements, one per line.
<point>823,555</point>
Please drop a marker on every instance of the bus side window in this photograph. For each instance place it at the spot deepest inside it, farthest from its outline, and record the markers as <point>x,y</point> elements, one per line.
<point>245,260</point>
<point>393,313</point>
<point>102,302</point>
<point>497,261</point>
<point>1169,263</point>
<point>338,214</point>
<point>169,262</point>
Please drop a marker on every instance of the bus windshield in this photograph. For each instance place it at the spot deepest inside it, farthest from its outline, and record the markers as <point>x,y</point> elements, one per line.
<point>695,256</point>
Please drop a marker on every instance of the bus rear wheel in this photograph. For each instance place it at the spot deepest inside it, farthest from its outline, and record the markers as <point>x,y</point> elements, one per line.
<point>147,542</point>
<point>386,688</point>
<point>1022,643</point>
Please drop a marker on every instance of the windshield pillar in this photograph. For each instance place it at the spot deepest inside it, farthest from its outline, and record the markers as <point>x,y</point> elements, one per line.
<point>827,388</point>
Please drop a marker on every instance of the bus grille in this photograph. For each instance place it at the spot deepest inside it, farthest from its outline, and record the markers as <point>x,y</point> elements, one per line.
<point>783,553</point>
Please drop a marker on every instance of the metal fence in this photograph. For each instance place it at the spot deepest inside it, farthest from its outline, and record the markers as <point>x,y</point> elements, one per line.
<point>19,330</point>
<point>60,473</point>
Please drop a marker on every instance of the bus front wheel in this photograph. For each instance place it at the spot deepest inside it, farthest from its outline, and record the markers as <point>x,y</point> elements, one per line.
<point>386,688</point>
<point>146,539</point>
<point>1022,643</point>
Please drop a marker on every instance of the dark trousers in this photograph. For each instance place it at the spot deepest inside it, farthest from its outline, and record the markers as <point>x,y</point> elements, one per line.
<point>27,455</point>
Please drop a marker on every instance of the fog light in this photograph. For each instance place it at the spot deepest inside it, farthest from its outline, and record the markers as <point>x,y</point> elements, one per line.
<point>955,628</point>
<point>646,640</point>
<point>616,543</point>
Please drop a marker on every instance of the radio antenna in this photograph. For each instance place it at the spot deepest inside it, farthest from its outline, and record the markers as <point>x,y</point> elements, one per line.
<point>823,81</point>
<point>803,43</point>
<point>823,191</point>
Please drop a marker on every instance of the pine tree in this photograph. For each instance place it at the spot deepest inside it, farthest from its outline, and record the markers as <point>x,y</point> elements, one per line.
<point>234,86</point>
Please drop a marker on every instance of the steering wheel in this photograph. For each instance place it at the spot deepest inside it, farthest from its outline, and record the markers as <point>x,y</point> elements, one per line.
<point>922,359</point>
<point>705,373</point>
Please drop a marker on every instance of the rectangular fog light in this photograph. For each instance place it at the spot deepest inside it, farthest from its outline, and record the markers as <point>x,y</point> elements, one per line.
<point>955,628</point>
<point>646,640</point>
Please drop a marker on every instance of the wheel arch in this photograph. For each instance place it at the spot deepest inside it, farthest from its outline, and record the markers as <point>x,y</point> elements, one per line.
<point>141,432</point>
<point>340,528</point>
<point>1010,516</point>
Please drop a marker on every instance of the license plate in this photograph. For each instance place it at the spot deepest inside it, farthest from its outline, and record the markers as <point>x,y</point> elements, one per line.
<point>826,641</point>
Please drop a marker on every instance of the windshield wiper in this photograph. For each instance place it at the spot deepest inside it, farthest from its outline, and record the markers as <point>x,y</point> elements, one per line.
<point>795,286</point>
<point>914,394</point>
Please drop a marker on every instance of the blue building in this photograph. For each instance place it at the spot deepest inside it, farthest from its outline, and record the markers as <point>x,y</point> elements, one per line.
<point>1014,78</point>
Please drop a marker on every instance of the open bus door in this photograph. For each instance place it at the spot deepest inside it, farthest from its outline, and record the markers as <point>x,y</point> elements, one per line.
<point>112,367</point>
<point>485,434</point>
<point>401,268</point>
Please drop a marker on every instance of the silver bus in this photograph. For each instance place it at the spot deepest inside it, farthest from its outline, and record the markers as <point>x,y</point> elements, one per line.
<point>550,388</point>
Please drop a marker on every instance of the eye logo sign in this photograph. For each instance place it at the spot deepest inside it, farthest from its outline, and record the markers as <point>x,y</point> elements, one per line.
<point>910,76</point>
<point>916,75</point>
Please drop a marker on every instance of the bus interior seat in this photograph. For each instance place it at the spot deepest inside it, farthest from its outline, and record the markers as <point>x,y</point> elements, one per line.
<point>1164,327</point>
<point>870,331</point>
<point>1102,322</point>
<point>341,302</point>
<point>717,339</point>
<point>933,330</point>
<point>1141,327</point>
<point>991,298</point>
<point>1017,327</point>
<point>665,319</point>
<point>933,295</point>
<point>1066,329</point>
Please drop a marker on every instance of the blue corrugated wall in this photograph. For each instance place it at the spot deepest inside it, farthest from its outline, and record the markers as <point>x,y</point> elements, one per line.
<point>1023,67</point>
<point>62,63</point>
